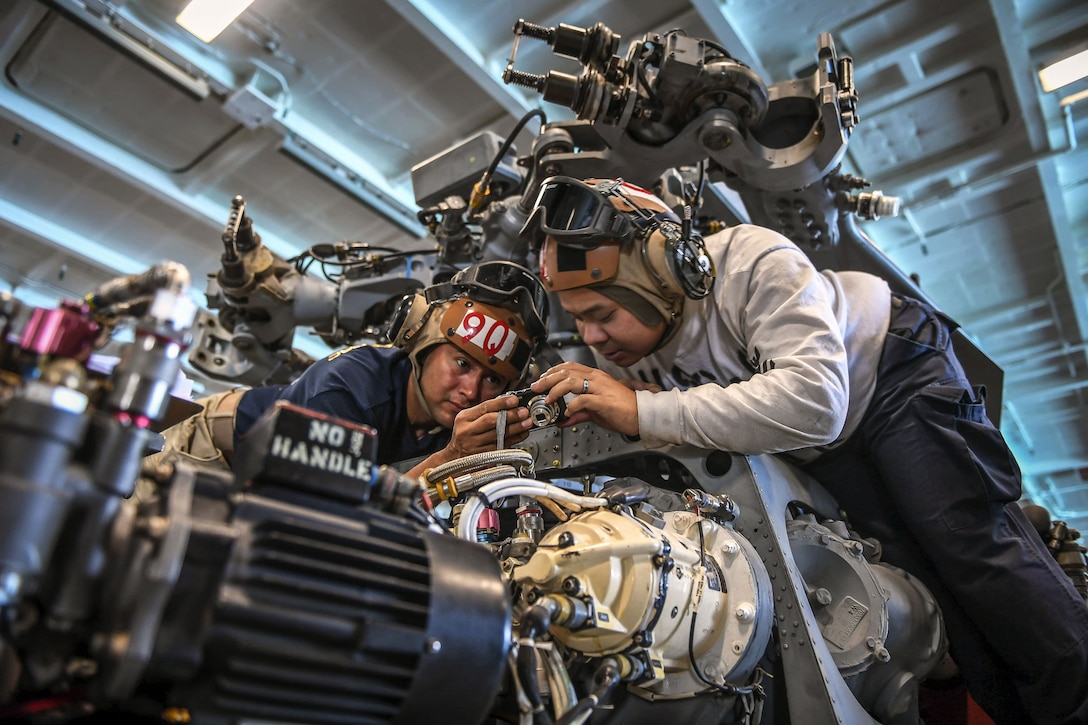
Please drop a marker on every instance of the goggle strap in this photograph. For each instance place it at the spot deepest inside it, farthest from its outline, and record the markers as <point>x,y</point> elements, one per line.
<point>443,292</point>
<point>520,357</point>
<point>447,291</point>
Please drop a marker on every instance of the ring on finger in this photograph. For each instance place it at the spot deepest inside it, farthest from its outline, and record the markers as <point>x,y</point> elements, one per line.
<point>585,385</point>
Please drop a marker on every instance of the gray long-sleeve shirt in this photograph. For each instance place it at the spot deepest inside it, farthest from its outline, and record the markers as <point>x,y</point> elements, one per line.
<point>780,357</point>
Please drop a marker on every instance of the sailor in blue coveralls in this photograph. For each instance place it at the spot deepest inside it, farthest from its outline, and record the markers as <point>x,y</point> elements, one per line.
<point>455,347</point>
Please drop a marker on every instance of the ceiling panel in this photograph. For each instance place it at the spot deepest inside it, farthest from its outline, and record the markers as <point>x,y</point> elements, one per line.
<point>67,68</point>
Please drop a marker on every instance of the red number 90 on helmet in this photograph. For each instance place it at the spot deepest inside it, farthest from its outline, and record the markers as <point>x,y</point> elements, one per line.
<point>495,312</point>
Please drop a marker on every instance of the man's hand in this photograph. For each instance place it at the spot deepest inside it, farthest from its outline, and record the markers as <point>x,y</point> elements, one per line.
<point>474,431</point>
<point>597,396</point>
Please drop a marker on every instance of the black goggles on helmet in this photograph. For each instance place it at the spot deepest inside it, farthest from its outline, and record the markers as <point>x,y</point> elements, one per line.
<point>575,214</point>
<point>500,283</point>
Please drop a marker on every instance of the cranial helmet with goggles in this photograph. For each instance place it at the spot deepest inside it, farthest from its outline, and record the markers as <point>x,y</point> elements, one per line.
<point>495,312</point>
<point>618,239</point>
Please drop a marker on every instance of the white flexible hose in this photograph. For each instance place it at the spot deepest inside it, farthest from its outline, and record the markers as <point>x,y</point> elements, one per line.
<point>498,490</point>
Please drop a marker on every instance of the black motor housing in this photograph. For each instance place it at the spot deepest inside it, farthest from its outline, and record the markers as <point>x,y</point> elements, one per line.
<point>283,613</point>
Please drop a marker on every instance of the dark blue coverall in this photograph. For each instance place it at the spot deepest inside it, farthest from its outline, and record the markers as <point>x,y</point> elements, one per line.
<point>364,384</point>
<point>931,478</point>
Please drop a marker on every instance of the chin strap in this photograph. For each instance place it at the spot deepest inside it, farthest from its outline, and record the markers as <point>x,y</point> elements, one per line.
<point>500,431</point>
<point>418,388</point>
<point>671,328</point>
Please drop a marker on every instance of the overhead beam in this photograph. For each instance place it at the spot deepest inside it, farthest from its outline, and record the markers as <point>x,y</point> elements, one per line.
<point>345,168</point>
<point>78,246</point>
<point>130,38</point>
<point>330,157</point>
<point>91,147</point>
<point>1045,393</point>
<point>451,42</point>
<point>1018,59</point>
<point>715,15</point>
<point>1068,246</point>
<point>58,236</point>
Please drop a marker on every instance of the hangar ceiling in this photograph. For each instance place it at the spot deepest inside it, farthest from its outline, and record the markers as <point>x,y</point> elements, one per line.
<point>123,139</point>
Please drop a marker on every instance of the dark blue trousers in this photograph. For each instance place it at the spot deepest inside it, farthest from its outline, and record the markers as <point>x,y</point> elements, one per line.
<point>932,479</point>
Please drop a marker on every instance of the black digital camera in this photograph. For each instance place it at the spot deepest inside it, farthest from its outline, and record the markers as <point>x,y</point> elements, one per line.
<point>541,412</point>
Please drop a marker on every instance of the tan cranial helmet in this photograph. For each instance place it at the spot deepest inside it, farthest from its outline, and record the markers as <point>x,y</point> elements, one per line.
<point>495,312</point>
<point>620,240</point>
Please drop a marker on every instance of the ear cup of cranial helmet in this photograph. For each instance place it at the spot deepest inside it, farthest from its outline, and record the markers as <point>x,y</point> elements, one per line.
<point>690,271</point>
<point>689,266</point>
<point>407,319</point>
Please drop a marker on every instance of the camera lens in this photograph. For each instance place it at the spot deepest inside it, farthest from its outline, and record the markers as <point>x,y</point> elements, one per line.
<point>541,412</point>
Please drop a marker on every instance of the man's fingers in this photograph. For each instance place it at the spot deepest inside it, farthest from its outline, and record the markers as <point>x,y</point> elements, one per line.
<point>506,401</point>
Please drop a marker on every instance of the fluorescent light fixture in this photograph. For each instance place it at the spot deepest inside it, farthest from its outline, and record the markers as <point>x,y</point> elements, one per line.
<point>208,18</point>
<point>1064,71</point>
